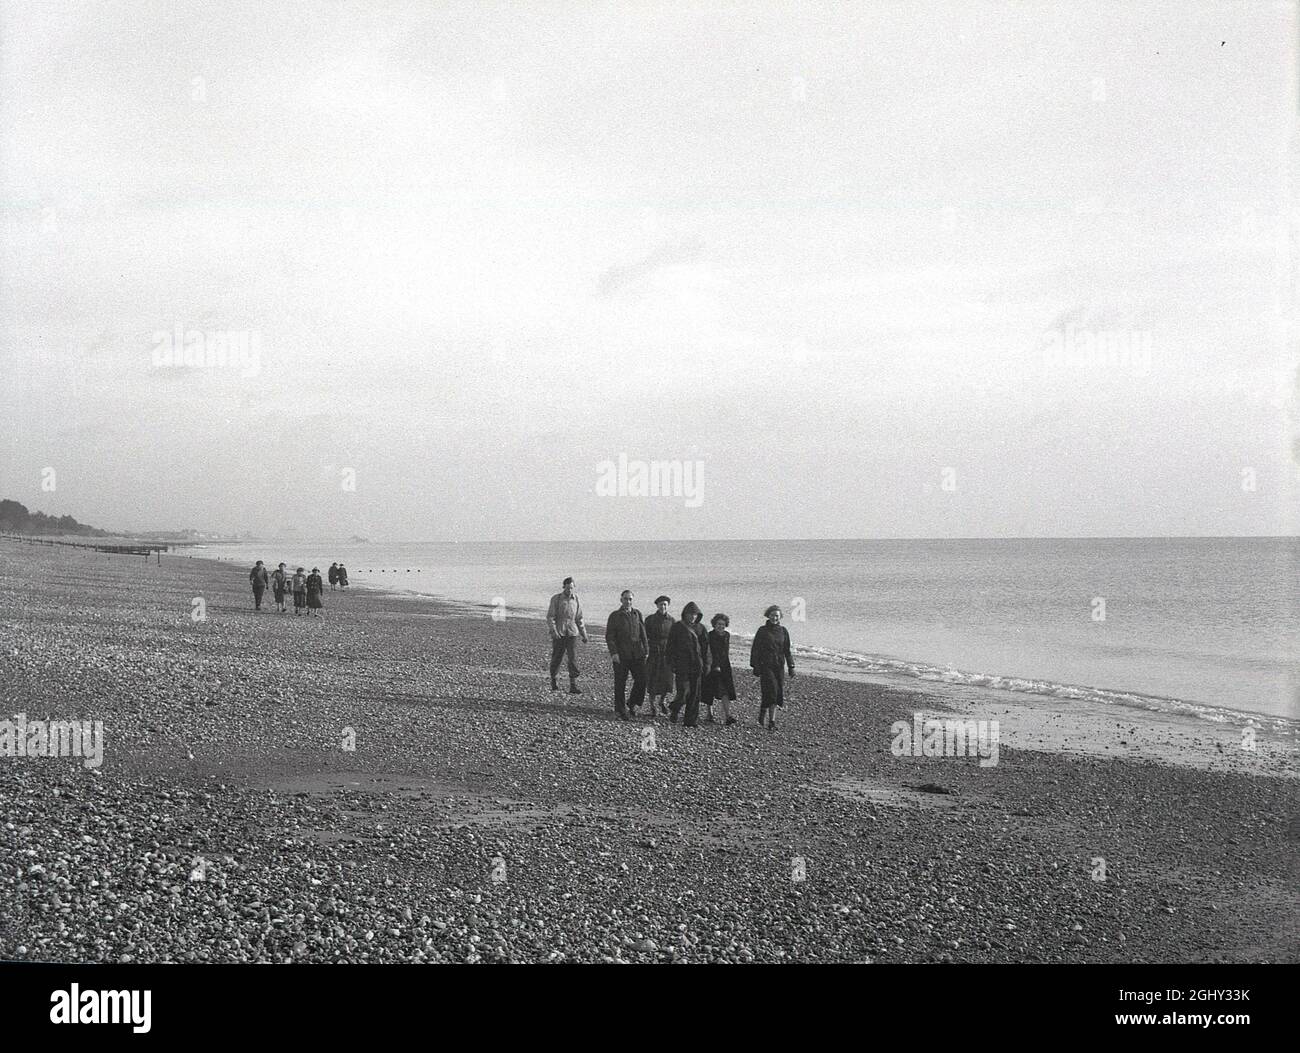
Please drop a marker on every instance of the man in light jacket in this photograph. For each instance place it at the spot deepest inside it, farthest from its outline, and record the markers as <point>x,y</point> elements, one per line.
<point>564,619</point>
<point>628,647</point>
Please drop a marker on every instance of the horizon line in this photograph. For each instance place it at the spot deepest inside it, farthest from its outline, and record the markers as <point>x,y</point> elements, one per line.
<point>694,540</point>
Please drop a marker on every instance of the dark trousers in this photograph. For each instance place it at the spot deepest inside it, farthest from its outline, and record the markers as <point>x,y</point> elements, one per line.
<point>636,667</point>
<point>688,695</point>
<point>772,682</point>
<point>562,647</point>
<point>258,592</point>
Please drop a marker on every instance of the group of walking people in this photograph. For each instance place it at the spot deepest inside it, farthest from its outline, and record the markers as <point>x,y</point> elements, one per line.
<point>663,655</point>
<point>307,589</point>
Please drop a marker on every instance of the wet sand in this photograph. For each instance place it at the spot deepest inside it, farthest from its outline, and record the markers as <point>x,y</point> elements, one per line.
<point>477,816</point>
<point>1239,742</point>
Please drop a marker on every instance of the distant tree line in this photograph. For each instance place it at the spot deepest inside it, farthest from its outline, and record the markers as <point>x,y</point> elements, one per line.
<point>15,519</point>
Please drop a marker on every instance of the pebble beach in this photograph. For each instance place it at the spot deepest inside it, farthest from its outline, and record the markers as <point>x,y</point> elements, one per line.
<point>395,782</point>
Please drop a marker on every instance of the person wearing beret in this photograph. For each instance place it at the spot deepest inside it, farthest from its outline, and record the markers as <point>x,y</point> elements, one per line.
<point>659,671</point>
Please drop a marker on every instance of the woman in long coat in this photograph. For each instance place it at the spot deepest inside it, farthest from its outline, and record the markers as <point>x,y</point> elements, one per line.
<point>658,671</point>
<point>768,658</point>
<point>315,588</point>
<point>720,685</point>
<point>688,652</point>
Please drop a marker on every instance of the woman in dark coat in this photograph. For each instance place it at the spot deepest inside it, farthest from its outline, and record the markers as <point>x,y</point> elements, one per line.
<point>768,658</point>
<point>315,589</point>
<point>334,576</point>
<point>688,653</point>
<point>658,670</point>
<point>721,686</point>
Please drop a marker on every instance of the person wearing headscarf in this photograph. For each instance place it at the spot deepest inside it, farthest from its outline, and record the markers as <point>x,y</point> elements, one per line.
<point>769,657</point>
<point>658,670</point>
<point>688,652</point>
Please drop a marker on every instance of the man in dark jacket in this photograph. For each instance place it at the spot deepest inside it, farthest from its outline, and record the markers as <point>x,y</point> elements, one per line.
<point>258,577</point>
<point>628,647</point>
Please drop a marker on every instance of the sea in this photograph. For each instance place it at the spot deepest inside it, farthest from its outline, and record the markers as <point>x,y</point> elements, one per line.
<point>1206,626</point>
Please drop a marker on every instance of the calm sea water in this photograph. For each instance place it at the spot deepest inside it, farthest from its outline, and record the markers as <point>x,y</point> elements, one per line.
<point>1206,623</point>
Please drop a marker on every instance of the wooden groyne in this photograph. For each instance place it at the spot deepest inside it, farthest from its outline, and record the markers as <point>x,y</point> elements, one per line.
<point>116,548</point>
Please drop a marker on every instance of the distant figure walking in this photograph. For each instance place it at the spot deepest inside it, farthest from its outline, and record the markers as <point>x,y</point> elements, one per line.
<point>659,671</point>
<point>343,576</point>
<point>258,577</point>
<point>768,658</point>
<point>564,619</point>
<point>279,585</point>
<point>721,686</point>
<point>315,591</point>
<point>628,647</point>
<point>334,576</point>
<point>299,591</point>
<point>688,652</point>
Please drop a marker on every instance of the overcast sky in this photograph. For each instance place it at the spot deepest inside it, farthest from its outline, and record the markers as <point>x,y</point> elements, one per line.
<point>858,259</point>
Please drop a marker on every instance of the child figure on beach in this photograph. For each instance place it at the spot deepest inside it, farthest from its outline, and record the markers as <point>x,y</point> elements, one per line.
<point>279,586</point>
<point>721,685</point>
<point>299,591</point>
<point>315,591</point>
<point>343,576</point>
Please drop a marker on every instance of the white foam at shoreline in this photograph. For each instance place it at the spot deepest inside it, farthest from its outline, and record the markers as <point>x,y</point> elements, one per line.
<point>850,661</point>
